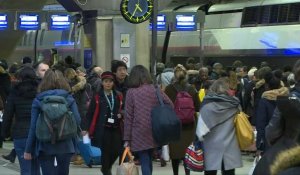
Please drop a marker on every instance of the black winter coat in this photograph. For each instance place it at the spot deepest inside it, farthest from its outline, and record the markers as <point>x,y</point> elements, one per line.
<point>5,85</point>
<point>97,138</point>
<point>283,131</point>
<point>18,107</point>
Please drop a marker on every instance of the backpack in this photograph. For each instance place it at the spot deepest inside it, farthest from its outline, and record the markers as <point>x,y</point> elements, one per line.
<point>184,107</point>
<point>56,122</point>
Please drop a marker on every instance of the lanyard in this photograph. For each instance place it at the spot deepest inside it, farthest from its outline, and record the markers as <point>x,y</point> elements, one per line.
<point>110,104</point>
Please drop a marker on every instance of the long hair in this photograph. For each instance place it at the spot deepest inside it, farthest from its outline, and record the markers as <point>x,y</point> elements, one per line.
<point>53,79</point>
<point>139,75</point>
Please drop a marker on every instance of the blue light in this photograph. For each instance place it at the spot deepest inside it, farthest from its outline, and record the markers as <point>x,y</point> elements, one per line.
<point>291,52</point>
<point>186,23</point>
<point>29,22</point>
<point>266,43</point>
<point>63,43</point>
<point>3,22</point>
<point>161,23</point>
<point>60,22</point>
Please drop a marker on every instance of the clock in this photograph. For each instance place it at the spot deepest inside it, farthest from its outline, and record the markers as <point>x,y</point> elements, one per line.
<point>136,11</point>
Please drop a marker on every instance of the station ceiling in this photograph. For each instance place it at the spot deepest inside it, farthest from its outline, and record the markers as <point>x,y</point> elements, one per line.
<point>12,37</point>
<point>22,4</point>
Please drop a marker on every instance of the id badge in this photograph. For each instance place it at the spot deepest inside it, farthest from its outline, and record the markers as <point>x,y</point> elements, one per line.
<point>111,120</point>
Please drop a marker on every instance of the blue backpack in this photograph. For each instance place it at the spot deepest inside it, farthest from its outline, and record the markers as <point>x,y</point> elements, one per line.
<point>56,122</point>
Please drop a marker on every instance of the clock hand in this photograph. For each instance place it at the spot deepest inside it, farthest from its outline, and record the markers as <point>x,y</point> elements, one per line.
<point>134,11</point>
<point>138,7</point>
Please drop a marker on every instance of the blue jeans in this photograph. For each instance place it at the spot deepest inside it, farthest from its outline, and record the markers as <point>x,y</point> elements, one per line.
<point>28,167</point>
<point>60,168</point>
<point>146,161</point>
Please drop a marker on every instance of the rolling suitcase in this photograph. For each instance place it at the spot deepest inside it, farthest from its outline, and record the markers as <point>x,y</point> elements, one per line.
<point>91,155</point>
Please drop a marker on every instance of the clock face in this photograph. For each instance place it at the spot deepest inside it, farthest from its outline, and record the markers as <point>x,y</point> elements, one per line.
<point>136,11</point>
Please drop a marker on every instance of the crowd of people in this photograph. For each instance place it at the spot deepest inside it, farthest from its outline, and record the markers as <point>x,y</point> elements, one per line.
<point>114,108</point>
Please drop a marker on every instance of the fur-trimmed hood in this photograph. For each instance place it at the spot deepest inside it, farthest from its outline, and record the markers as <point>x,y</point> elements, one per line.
<point>286,159</point>
<point>78,83</point>
<point>273,94</point>
<point>260,83</point>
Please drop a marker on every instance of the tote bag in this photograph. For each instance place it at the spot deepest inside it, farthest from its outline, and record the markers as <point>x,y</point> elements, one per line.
<point>243,130</point>
<point>127,168</point>
<point>166,126</point>
<point>194,158</point>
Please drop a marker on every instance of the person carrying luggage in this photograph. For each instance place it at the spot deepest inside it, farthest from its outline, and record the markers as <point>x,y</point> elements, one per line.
<point>186,104</point>
<point>103,122</point>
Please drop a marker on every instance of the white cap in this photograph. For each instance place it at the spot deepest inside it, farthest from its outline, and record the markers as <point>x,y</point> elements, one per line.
<point>251,71</point>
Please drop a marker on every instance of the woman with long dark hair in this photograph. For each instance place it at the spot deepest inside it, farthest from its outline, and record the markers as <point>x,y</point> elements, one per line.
<point>54,157</point>
<point>17,115</point>
<point>140,99</point>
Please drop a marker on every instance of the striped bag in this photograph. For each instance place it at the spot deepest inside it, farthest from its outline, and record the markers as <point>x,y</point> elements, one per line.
<point>194,158</point>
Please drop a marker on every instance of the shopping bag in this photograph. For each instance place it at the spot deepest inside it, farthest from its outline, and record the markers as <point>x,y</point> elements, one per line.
<point>256,159</point>
<point>165,155</point>
<point>243,130</point>
<point>194,157</point>
<point>127,168</point>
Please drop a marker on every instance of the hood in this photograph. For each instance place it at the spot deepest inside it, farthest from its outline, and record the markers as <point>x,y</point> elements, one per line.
<point>27,89</point>
<point>80,84</point>
<point>260,83</point>
<point>273,94</point>
<point>286,159</point>
<point>59,92</point>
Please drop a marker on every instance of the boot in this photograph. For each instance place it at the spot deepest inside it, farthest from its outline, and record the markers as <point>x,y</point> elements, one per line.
<point>163,163</point>
<point>11,156</point>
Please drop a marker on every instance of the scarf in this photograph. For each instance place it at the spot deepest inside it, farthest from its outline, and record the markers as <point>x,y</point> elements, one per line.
<point>216,109</point>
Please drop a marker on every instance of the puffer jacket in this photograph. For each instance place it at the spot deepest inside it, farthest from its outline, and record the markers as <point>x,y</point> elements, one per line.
<point>18,107</point>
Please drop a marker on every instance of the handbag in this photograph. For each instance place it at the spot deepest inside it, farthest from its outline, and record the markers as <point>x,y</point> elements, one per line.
<point>194,158</point>
<point>166,126</point>
<point>256,159</point>
<point>127,168</point>
<point>243,130</point>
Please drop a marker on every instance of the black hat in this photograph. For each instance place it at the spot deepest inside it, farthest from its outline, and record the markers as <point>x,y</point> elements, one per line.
<point>115,64</point>
<point>107,75</point>
<point>26,60</point>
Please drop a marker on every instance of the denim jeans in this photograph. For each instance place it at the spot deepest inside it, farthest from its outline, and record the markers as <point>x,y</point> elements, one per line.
<point>145,157</point>
<point>28,167</point>
<point>55,164</point>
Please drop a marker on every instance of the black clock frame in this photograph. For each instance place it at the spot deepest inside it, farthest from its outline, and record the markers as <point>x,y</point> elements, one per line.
<point>136,19</point>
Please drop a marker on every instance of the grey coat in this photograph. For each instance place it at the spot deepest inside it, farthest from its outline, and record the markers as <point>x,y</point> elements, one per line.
<point>216,128</point>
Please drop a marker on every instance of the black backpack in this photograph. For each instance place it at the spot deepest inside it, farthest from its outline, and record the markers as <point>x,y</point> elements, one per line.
<point>56,122</point>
